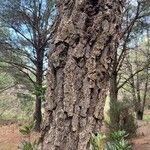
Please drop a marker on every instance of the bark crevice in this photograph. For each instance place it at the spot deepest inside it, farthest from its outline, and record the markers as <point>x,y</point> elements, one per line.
<point>84,46</point>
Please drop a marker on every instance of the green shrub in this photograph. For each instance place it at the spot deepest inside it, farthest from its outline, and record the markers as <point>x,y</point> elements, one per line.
<point>27,145</point>
<point>97,141</point>
<point>116,140</point>
<point>122,117</point>
<point>27,131</point>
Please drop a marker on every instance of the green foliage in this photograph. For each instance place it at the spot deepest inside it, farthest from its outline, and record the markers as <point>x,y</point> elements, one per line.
<point>117,140</point>
<point>97,141</point>
<point>27,146</point>
<point>19,48</point>
<point>27,131</point>
<point>121,145</point>
<point>40,90</point>
<point>116,136</point>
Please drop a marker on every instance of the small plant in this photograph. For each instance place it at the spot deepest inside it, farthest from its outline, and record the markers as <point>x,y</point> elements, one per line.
<point>97,141</point>
<point>27,145</point>
<point>117,140</point>
<point>40,91</point>
<point>117,135</point>
<point>26,131</point>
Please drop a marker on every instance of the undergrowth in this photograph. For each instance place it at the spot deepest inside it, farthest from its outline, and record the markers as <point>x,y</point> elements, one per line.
<point>116,140</point>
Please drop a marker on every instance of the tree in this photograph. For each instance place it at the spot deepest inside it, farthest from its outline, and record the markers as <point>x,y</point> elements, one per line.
<point>138,84</point>
<point>134,15</point>
<point>29,23</point>
<point>4,83</point>
<point>87,33</point>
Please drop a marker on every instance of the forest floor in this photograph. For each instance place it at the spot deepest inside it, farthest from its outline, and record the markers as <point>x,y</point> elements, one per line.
<point>142,141</point>
<point>10,137</point>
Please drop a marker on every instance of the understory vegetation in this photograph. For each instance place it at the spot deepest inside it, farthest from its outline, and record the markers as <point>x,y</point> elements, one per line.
<point>115,140</point>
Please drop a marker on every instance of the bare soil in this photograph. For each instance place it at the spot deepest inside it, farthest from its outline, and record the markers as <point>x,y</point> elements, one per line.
<point>142,141</point>
<point>10,137</point>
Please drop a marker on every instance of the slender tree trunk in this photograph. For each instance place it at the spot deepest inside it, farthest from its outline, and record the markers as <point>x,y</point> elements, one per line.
<point>113,87</point>
<point>139,112</point>
<point>83,49</point>
<point>113,81</point>
<point>39,80</point>
<point>37,113</point>
<point>143,102</point>
<point>114,115</point>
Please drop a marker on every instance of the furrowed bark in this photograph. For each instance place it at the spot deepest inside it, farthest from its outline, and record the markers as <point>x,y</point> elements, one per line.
<point>83,49</point>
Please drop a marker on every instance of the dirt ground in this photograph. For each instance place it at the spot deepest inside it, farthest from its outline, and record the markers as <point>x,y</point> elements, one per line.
<point>10,137</point>
<point>142,141</point>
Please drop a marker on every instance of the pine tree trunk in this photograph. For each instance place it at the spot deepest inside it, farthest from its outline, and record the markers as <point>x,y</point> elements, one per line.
<point>37,114</point>
<point>38,101</point>
<point>113,112</point>
<point>113,80</point>
<point>83,49</point>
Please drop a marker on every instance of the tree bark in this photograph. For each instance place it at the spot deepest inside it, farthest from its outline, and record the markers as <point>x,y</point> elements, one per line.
<point>83,49</point>
<point>37,114</point>
<point>38,86</point>
<point>113,81</point>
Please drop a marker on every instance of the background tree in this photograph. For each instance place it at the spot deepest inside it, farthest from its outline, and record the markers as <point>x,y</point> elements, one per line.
<point>29,23</point>
<point>87,33</point>
<point>135,14</point>
<point>138,61</point>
